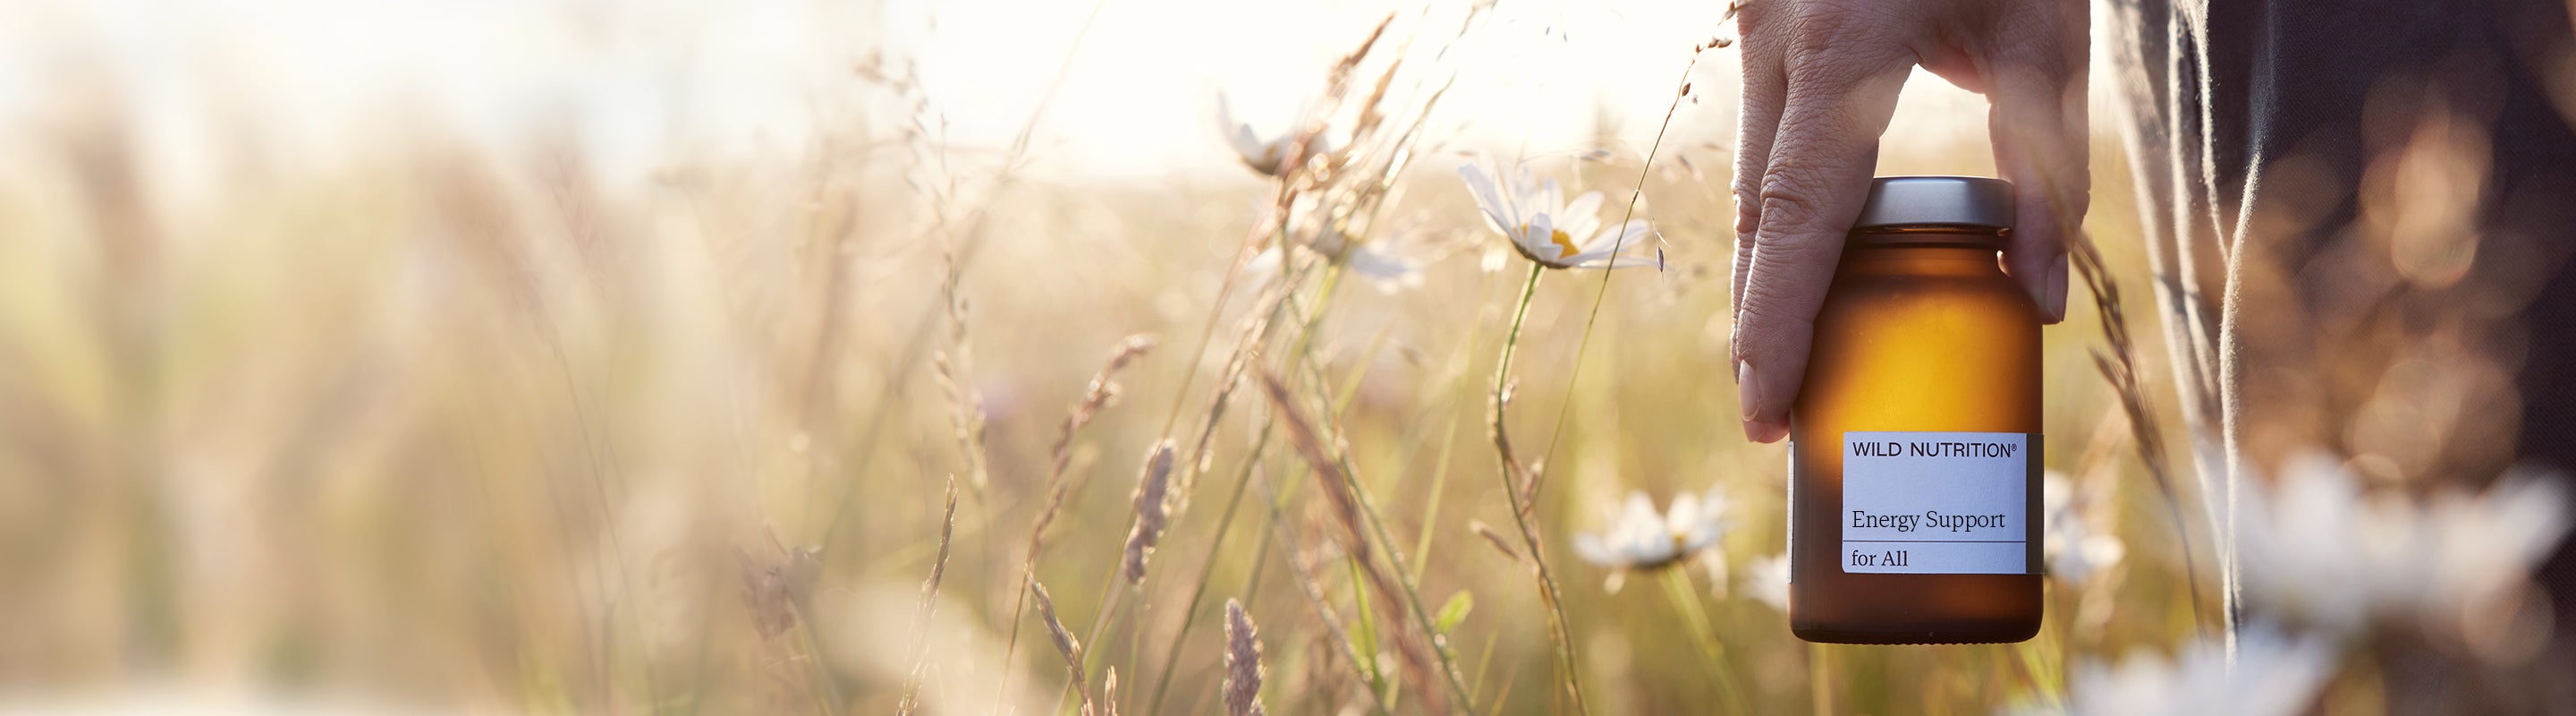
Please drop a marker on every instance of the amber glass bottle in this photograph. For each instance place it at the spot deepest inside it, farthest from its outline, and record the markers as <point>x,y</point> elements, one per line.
<point>1914,444</point>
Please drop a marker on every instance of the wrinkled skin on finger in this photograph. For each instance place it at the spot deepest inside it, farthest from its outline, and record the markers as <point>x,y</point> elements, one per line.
<point>1820,84</point>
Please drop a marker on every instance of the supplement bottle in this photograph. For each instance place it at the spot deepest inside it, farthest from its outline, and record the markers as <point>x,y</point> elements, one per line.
<point>1914,491</point>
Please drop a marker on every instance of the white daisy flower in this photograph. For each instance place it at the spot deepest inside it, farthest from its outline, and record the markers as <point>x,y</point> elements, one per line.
<point>1388,271</point>
<point>2275,674</point>
<point>1262,153</point>
<point>2319,550</point>
<point>2072,549</point>
<point>1390,262</point>
<point>1642,539</point>
<point>1551,231</point>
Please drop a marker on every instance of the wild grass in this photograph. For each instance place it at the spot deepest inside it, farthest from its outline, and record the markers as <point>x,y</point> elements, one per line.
<point>473,430</point>
<point>929,603</point>
<point>1243,669</point>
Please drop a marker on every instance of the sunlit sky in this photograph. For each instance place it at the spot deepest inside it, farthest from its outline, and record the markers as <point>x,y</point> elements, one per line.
<point>643,83</point>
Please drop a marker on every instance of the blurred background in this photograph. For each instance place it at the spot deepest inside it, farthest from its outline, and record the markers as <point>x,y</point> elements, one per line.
<point>643,357</point>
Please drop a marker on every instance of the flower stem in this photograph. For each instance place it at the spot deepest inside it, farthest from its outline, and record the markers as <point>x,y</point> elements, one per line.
<point>1522,513</point>
<point>1677,587</point>
<point>1820,668</point>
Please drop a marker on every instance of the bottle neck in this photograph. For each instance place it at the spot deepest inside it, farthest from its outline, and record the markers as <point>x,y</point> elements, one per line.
<point>1924,250</point>
<point>1928,235</point>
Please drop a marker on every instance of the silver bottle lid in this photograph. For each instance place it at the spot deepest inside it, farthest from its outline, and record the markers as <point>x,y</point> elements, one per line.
<point>1938,201</point>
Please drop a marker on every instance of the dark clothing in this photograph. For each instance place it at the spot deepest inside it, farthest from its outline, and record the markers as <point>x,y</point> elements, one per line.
<point>2360,214</point>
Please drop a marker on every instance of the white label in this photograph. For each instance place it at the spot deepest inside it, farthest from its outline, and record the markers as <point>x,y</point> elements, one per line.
<point>1938,503</point>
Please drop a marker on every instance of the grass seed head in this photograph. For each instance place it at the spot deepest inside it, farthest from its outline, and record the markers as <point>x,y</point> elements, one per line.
<point>1153,509</point>
<point>1243,670</point>
<point>1065,644</point>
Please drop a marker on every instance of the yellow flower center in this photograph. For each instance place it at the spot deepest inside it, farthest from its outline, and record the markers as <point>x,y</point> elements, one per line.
<point>1564,242</point>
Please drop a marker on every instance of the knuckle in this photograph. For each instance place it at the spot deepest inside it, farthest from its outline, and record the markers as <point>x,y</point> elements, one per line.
<point>1788,249</point>
<point>1786,202</point>
<point>1747,186</point>
<point>1748,204</point>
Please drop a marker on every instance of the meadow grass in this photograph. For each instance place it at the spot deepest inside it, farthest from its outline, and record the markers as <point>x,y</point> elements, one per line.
<point>476,431</point>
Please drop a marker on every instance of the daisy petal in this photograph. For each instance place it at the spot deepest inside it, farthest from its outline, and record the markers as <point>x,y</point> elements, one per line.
<point>1489,198</point>
<point>1583,215</point>
<point>1550,198</point>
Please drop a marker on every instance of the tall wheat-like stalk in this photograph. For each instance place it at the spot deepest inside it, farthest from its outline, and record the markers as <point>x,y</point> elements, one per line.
<point>1102,391</point>
<point>1312,589</point>
<point>1255,330</point>
<point>1065,645</point>
<point>1207,568</point>
<point>954,367</point>
<point>1336,180</point>
<point>1207,434</point>
<point>958,254</point>
<point>1404,578</point>
<point>929,605</point>
<point>2119,367</point>
<point>1351,508</point>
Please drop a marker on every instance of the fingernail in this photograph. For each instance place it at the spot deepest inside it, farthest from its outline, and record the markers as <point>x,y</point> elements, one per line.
<point>1765,431</point>
<point>1748,395</point>
<point>2052,299</point>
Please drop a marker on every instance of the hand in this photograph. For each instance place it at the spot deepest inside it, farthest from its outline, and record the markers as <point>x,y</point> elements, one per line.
<point>1820,81</point>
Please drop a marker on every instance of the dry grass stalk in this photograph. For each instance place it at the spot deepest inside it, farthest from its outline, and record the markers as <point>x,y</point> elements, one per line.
<point>1500,543</point>
<point>955,369</point>
<point>1345,508</point>
<point>1346,505</point>
<point>1065,644</point>
<point>1109,692</point>
<point>1312,589</point>
<point>1300,170</point>
<point>1300,155</point>
<point>1318,172</point>
<point>929,604</point>
<point>1255,328</point>
<point>1098,395</point>
<point>1102,391</point>
<point>1243,670</point>
<point>2120,369</point>
<point>1236,365</point>
<point>1309,444</point>
<point>1153,495</point>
